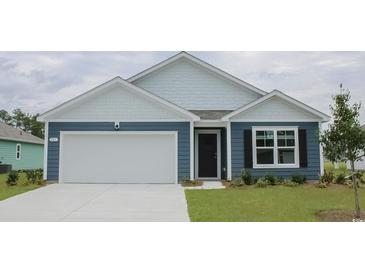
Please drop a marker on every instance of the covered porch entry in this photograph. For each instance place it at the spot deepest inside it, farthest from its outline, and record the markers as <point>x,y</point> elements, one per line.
<point>210,153</point>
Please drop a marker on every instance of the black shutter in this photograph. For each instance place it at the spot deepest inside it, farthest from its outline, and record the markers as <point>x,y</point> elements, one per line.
<point>247,136</point>
<point>303,159</point>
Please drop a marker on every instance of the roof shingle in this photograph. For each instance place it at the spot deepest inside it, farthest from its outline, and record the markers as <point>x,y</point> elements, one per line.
<point>14,134</point>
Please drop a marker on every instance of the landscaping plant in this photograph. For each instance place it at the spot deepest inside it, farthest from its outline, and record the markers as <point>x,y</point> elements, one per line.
<point>344,140</point>
<point>246,177</point>
<point>270,179</point>
<point>238,182</point>
<point>262,183</point>
<point>327,177</point>
<point>12,179</point>
<point>299,179</point>
<point>340,178</point>
<point>34,175</point>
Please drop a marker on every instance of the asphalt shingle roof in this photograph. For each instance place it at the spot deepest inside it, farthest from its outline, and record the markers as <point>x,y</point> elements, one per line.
<point>15,134</point>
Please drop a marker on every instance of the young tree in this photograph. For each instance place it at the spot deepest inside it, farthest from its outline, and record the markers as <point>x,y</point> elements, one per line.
<point>344,140</point>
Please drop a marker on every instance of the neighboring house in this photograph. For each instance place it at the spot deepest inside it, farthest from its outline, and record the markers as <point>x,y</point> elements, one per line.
<point>180,119</point>
<point>20,149</point>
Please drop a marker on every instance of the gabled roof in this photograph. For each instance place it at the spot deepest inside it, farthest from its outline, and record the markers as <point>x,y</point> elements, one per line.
<point>118,80</point>
<point>322,116</point>
<point>201,63</point>
<point>15,134</point>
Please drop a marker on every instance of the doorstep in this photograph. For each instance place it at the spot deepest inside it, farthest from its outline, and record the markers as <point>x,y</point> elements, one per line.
<point>208,185</point>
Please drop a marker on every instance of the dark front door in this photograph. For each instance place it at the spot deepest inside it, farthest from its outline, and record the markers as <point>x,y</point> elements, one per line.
<point>207,158</point>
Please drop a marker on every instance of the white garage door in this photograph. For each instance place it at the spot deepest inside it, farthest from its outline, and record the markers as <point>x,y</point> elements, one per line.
<point>118,157</point>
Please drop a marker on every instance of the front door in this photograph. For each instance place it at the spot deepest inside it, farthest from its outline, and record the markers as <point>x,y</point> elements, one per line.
<point>208,156</point>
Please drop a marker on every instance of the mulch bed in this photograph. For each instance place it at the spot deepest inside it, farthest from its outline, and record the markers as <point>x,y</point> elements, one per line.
<point>337,215</point>
<point>192,183</point>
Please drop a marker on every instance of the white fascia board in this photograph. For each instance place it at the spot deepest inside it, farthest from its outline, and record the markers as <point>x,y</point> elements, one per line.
<point>201,63</point>
<point>77,99</point>
<point>21,141</point>
<point>322,117</point>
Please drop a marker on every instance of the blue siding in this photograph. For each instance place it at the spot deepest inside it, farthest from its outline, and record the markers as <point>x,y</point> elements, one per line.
<point>183,129</point>
<point>311,172</point>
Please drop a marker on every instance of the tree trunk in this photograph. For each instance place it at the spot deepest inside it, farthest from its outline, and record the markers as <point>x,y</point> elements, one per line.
<point>354,183</point>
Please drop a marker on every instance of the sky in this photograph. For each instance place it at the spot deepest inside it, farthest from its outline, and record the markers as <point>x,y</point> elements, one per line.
<point>38,81</point>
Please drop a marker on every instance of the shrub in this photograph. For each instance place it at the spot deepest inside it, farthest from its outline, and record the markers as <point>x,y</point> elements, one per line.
<point>329,167</point>
<point>342,167</point>
<point>31,176</point>
<point>327,177</point>
<point>340,179</point>
<point>362,178</point>
<point>246,177</point>
<point>237,183</point>
<point>280,180</point>
<point>299,179</point>
<point>34,175</point>
<point>270,179</point>
<point>12,179</point>
<point>262,183</point>
<point>39,174</point>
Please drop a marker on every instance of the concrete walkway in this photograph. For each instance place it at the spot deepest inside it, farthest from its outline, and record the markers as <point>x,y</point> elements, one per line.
<point>98,202</point>
<point>209,185</point>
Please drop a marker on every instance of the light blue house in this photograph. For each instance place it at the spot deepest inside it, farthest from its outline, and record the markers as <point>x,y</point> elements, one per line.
<point>180,119</point>
<point>19,149</point>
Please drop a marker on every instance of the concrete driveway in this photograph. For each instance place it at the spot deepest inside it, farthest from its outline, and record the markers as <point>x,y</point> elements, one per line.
<point>98,202</point>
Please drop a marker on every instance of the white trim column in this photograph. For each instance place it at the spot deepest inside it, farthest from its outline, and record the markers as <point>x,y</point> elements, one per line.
<point>229,151</point>
<point>45,151</point>
<point>321,160</point>
<point>191,150</point>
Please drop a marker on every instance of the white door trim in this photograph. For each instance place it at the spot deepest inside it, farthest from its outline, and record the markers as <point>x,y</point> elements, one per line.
<point>209,131</point>
<point>62,133</point>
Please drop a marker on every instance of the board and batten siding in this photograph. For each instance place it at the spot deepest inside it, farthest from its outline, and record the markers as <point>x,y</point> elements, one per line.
<point>311,172</point>
<point>31,156</point>
<point>183,129</point>
<point>193,87</point>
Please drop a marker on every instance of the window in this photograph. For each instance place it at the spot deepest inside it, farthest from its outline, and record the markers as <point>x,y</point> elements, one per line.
<point>275,147</point>
<point>18,151</point>
<point>265,147</point>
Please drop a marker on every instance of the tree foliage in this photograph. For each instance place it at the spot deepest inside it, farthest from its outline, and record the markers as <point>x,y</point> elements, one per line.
<point>344,140</point>
<point>24,121</point>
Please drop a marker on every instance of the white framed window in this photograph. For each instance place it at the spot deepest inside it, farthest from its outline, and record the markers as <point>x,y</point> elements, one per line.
<point>18,151</point>
<point>275,147</point>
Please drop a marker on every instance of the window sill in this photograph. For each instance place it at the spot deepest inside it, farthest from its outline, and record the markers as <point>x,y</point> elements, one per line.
<point>275,166</point>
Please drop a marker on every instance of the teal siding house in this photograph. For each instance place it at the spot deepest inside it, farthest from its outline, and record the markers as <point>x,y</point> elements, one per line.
<point>20,149</point>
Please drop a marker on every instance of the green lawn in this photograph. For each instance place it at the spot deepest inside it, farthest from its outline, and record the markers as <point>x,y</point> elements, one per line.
<point>272,204</point>
<point>8,191</point>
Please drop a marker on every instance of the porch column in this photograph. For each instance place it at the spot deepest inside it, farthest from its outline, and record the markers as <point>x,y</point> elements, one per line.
<point>191,150</point>
<point>45,151</point>
<point>229,154</point>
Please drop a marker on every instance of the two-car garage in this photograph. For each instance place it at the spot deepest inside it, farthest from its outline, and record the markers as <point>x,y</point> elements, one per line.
<point>118,157</point>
